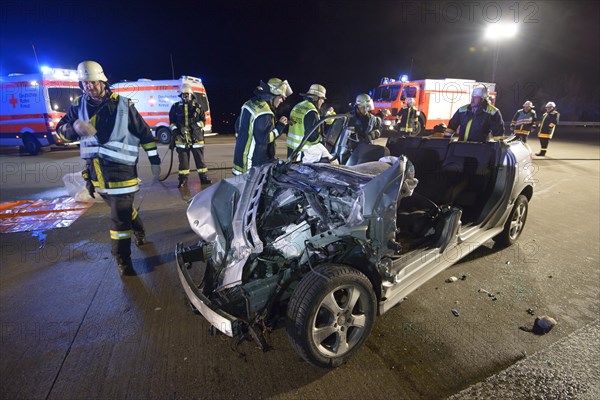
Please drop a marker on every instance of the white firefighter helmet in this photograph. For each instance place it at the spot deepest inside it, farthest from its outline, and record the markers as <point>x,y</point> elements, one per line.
<point>480,91</point>
<point>410,101</point>
<point>90,71</point>
<point>364,101</point>
<point>277,87</point>
<point>316,90</point>
<point>550,104</point>
<point>186,88</point>
<point>528,104</point>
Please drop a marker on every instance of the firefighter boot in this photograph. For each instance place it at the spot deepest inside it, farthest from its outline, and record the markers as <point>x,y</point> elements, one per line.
<point>125,266</point>
<point>140,237</point>
<point>542,153</point>
<point>204,180</point>
<point>182,181</point>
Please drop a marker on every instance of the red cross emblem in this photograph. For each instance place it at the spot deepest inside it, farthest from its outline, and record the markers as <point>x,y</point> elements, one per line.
<point>13,101</point>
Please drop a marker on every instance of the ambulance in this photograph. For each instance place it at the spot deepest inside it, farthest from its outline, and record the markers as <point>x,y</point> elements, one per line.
<point>436,99</point>
<point>32,104</point>
<point>153,100</point>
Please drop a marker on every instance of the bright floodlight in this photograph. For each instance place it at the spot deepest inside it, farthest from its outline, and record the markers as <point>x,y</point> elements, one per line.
<point>45,69</point>
<point>403,78</point>
<point>500,31</point>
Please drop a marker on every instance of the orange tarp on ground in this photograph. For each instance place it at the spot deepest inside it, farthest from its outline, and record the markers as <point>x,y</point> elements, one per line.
<point>40,215</point>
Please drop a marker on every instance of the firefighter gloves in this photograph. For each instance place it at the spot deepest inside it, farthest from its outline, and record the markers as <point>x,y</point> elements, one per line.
<point>84,128</point>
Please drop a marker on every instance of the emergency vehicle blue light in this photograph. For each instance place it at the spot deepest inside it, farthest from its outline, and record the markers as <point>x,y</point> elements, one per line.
<point>45,69</point>
<point>403,78</point>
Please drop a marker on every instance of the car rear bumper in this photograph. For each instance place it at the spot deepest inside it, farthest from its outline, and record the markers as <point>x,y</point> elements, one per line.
<point>221,320</point>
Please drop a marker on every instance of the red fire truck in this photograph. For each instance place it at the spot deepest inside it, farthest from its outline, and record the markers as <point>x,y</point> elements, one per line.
<point>436,99</point>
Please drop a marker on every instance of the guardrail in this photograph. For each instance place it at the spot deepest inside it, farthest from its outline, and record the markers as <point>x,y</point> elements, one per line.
<point>579,123</point>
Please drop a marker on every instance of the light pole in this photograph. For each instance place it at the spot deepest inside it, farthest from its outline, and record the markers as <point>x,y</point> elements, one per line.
<point>497,32</point>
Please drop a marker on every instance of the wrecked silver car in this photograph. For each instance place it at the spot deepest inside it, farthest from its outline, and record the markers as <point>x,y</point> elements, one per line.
<point>325,248</point>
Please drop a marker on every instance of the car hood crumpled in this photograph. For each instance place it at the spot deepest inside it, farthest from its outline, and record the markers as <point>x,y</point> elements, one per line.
<point>225,214</point>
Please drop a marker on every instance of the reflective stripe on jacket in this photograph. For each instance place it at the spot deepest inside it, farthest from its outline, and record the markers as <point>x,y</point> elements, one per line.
<point>122,147</point>
<point>256,134</point>
<point>477,127</point>
<point>186,120</point>
<point>298,127</point>
<point>523,122</point>
<point>549,122</point>
<point>408,118</point>
<point>118,126</point>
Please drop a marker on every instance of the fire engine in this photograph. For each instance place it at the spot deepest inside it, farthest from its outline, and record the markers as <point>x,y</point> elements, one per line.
<point>436,99</point>
<point>153,100</point>
<point>32,104</point>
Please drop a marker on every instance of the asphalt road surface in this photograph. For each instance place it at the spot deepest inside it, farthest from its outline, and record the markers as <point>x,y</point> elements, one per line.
<point>72,328</point>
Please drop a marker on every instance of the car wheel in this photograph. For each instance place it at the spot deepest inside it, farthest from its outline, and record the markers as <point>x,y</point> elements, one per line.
<point>515,223</point>
<point>32,145</point>
<point>417,128</point>
<point>330,314</point>
<point>164,135</point>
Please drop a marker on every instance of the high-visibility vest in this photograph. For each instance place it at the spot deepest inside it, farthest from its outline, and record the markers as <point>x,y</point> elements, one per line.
<point>296,132</point>
<point>122,147</point>
<point>328,114</point>
<point>246,145</point>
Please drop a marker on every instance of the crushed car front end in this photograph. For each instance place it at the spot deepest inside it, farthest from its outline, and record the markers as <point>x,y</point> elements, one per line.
<point>261,232</point>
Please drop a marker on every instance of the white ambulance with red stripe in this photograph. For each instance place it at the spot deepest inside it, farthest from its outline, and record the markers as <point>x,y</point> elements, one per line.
<point>153,100</point>
<point>436,99</point>
<point>32,104</point>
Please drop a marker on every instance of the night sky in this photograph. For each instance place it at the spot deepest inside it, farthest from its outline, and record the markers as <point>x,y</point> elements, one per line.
<point>345,45</point>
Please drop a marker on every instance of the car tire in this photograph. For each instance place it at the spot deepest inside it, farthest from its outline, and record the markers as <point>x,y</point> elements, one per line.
<point>31,144</point>
<point>514,224</point>
<point>418,129</point>
<point>163,134</point>
<point>331,314</point>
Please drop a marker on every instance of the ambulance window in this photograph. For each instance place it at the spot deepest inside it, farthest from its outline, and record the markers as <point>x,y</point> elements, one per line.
<point>62,97</point>
<point>202,99</point>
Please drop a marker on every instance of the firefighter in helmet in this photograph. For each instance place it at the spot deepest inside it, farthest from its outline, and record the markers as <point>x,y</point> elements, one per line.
<point>330,111</point>
<point>524,121</point>
<point>549,121</point>
<point>303,118</point>
<point>366,125</point>
<point>110,131</point>
<point>408,118</point>
<point>187,124</point>
<point>476,121</point>
<point>256,129</point>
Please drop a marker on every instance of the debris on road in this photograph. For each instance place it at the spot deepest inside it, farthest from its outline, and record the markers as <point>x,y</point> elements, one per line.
<point>455,312</point>
<point>490,295</point>
<point>530,311</point>
<point>451,279</point>
<point>541,325</point>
